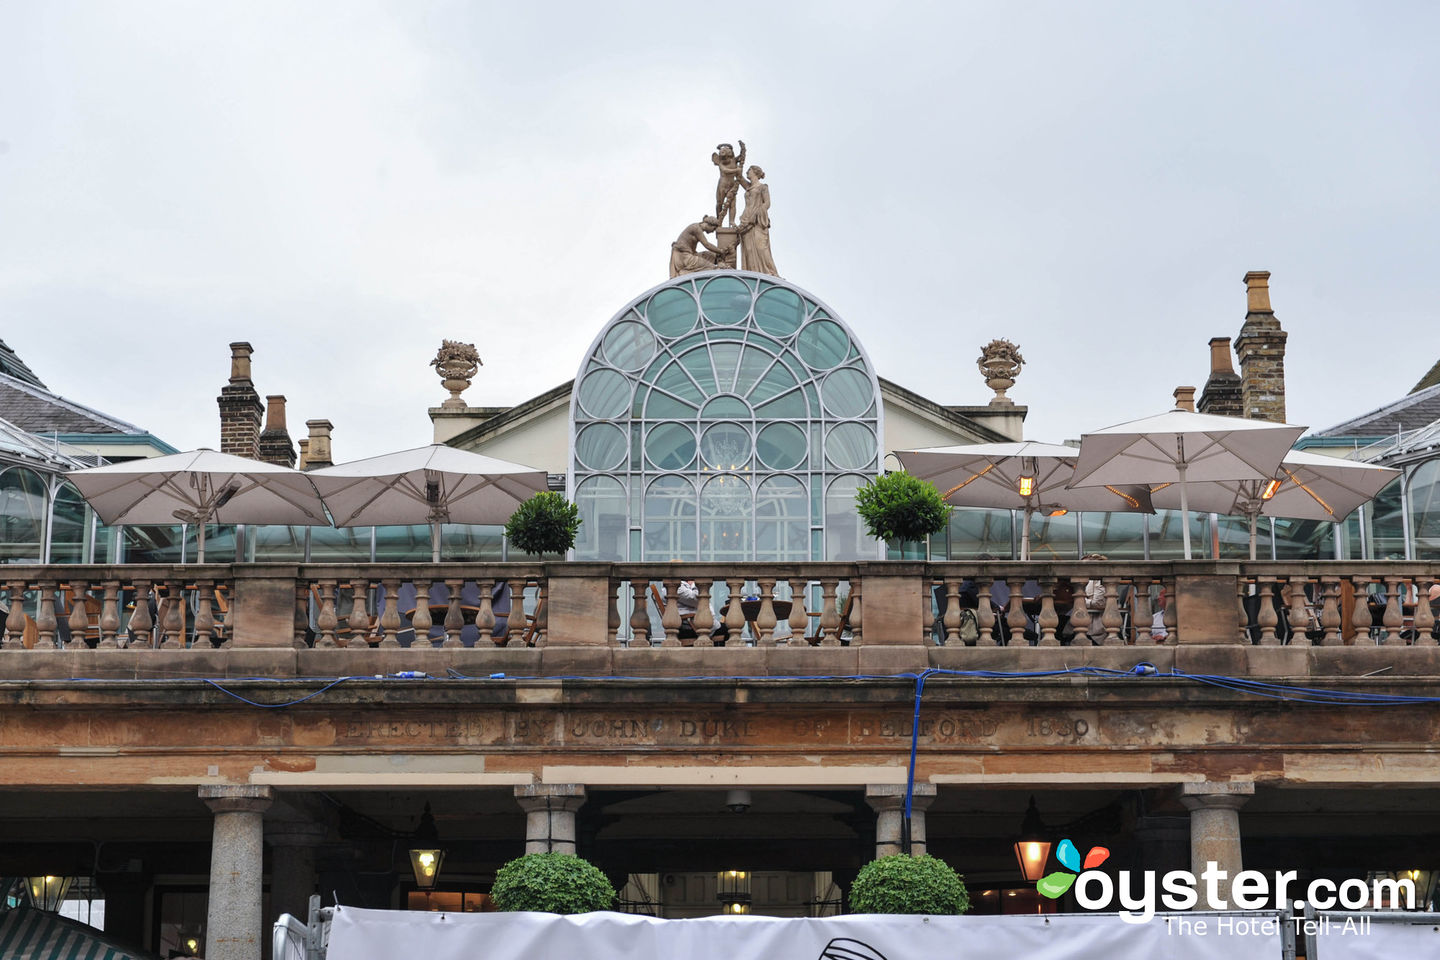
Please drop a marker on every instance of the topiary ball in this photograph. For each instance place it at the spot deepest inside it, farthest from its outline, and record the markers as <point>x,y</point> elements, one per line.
<point>551,883</point>
<point>905,884</point>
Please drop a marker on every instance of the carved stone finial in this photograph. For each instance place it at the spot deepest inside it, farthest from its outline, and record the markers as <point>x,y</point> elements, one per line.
<point>456,363</point>
<point>1000,362</point>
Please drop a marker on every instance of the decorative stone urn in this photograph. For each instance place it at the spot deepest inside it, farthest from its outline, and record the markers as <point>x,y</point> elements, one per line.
<point>1000,362</point>
<point>455,363</point>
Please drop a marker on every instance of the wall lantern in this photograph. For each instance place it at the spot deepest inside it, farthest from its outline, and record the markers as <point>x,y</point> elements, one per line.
<point>1026,485</point>
<point>47,893</point>
<point>732,888</point>
<point>426,854</point>
<point>1032,849</point>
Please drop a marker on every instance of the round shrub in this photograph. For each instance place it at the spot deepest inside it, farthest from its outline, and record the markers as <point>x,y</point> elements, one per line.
<point>546,523</point>
<point>897,506</point>
<point>904,884</point>
<point>552,883</point>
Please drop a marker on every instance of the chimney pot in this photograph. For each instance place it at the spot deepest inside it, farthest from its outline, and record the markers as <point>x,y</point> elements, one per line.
<point>1185,398</point>
<point>240,362</point>
<point>304,444</point>
<point>1220,356</point>
<point>1257,289</point>
<point>318,446</point>
<point>275,413</point>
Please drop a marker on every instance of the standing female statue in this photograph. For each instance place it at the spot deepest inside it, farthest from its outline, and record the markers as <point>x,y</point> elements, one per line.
<point>755,225</point>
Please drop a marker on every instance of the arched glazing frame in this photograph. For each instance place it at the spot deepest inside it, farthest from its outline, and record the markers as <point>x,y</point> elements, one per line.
<point>723,416</point>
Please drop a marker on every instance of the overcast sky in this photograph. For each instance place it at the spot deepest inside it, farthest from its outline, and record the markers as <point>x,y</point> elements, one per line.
<point>344,184</point>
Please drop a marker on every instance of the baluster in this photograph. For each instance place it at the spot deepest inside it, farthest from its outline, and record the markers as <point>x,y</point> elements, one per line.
<point>1265,613</point>
<point>856,637</point>
<point>1424,622</point>
<point>205,614</point>
<point>1171,619</point>
<point>79,615</point>
<point>1242,590</point>
<point>325,620</point>
<point>1330,610</point>
<point>1079,613</point>
<point>1360,618</point>
<point>302,614</point>
<point>1111,617</point>
<point>734,612</point>
<point>1394,617</point>
<point>542,615</point>
<point>455,617</point>
<point>172,625</point>
<point>985,617</point>
<point>670,616</point>
<point>15,619</point>
<point>390,613</point>
<point>951,618</point>
<point>1299,609</point>
<point>359,619</point>
<point>1015,618</point>
<point>1141,618</point>
<point>802,603</point>
<point>110,616</point>
<point>140,621</point>
<point>705,616</point>
<point>420,621</point>
<point>765,620</point>
<point>45,622</point>
<point>829,614</point>
<point>1049,620</point>
<point>639,618</point>
<point>612,614</point>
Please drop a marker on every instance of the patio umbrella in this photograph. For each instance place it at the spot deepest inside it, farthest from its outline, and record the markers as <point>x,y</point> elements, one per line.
<point>199,487</point>
<point>1182,447</point>
<point>1306,486</point>
<point>1026,476</point>
<point>435,484</point>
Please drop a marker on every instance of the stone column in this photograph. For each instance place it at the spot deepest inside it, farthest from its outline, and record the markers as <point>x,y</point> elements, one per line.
<point>888,802</point>
<point>292,866</point>
<point>1215,834</point>
<point>235,927</point>
<point>550,815</point>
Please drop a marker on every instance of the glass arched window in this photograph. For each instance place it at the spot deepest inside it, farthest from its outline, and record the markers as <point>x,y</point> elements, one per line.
<point>723,416</point>
<point>23,505</point>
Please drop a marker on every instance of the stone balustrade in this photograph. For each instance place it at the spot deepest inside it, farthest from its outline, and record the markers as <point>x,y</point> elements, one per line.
<point>958,606</point>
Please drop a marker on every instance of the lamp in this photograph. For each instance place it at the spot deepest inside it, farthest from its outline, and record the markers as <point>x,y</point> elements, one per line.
<point>732,889</point>
<point>1271,488</point>
<point>1032,848</point>
<point>426,854</point>
<point>1027,477</point>
<point>47,893</point>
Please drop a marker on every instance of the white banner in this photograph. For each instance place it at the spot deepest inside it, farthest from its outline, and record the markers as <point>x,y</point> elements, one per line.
<point>1352,937</point>
<point>400,935</point>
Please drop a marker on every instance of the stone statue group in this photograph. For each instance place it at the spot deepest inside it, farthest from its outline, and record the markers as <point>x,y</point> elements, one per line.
<point>753,230</point>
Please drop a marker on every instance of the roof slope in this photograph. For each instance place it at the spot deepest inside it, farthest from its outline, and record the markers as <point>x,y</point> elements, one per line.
<point>37,410</point>
<point>1410,412</point>
<point>1430,379</point>
<point>11,365</point>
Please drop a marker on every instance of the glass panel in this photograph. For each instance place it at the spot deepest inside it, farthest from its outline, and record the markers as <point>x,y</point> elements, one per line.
<point>753,364</point>
<point>329,545</point>
<point>697,363</point>
<point>675,379</point>
<point>726,300</point>
<point>663,407</point>
<point>1304,539</point>
<point>777,380</point>
<point>791,406</point>
<point>22,516</point>
<point>1054,538</point>
<point>1425,510</point>
<point>1387,527</point>
<point>779,312</point>
<point>70,526</point>
<point>602,519</point>
<point>471,541</point>
<point>977,533</point>
<point>672,312</point>
<point>272,542</point>
<point>845,539</point>
<point>670,520</point>
<point>671,446</point>
<point>1235,539</point>
<point>401,544</point>
<point>605,394</point>
<point>852,446</point>
<point>823,344</point>
<point>601,446</point>
<point>219,543</point>
<point>847,393</point>
<point>781,446</point>
<point>629,345</point>
<point>782,520</point>
<point>725,407</point>
<point>725,511</point>
<point>725,446</point>
<point>159,544</point>
<point>726,358</point>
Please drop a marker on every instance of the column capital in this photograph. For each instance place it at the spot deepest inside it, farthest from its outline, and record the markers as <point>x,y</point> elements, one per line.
<point>550,796</point>
<point>1216,796</point>
<point>242,798</point>
<point>891,796</point>
<point>295,833</point>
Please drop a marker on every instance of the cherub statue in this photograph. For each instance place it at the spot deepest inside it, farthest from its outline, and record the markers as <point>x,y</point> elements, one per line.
<point>684,258</point>
<point>730,166</point>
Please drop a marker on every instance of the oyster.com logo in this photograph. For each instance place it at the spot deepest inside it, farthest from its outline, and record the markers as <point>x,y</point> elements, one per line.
<point>1054,885</point>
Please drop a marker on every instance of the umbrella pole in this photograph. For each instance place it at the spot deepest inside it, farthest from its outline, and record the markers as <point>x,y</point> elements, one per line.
<point>1184,513</point>
<point>200,551</point>
<point>434,541</point>
<point>1025,535</point>
<point>1254,519</point>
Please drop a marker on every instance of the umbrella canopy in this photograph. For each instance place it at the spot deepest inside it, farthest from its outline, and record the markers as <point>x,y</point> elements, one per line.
<point>1181,447</point>
<point>990,475</point>
<point>1308,486</point>
<point>199,487</point>
<point>435,484</point>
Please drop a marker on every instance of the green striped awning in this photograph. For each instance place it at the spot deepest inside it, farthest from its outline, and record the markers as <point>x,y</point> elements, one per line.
<point>29,934</point>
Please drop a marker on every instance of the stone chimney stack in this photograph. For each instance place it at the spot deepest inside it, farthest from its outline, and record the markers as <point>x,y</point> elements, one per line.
<point>1261,347</point>
<point>304,444</point>
<point>240,407</point>
<point>274,441</point>
<point>317,446</point>
<point>1221,395</point>
<point>1185,399</point>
